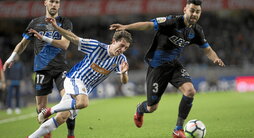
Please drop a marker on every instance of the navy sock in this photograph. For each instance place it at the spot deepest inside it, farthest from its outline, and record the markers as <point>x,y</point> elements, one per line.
<point>142,108</point>
<point>178,127</point>
<point>185,107</point>
<point>70,125</point>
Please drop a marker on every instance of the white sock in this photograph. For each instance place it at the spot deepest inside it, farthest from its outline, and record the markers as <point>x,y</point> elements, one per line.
<point>67,103</point>
<point>45,128</point>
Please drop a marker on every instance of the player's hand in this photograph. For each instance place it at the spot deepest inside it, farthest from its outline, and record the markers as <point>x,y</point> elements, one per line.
<point>117,27</point>
<point>124,67</point>
<point>7,64</point>
<point>3,87</point>
<point>219,62</point>
<point>36,34</point>
<point>52,21</point>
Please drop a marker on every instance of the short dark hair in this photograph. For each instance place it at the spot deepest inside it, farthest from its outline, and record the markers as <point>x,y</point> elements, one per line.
<point>118,35</point>
<point>196,2</point>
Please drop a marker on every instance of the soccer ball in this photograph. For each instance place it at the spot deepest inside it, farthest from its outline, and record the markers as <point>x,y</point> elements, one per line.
<point>195,129</point>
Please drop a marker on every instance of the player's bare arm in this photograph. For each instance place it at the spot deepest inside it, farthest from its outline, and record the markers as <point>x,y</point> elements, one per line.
<point>124,74</point>
<point>213,56</point>
<point>140,26</point>
<point>20,47</point>
<point>63,43</point>
<point>67,34</point>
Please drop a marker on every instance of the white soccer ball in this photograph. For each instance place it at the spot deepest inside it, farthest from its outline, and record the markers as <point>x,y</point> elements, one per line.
<point>195,129</point>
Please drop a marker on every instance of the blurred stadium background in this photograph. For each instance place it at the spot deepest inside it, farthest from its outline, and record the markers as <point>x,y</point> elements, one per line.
<point>228,26</point>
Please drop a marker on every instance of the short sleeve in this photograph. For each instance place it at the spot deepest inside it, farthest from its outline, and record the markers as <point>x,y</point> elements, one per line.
<point>200,39</point>
<point>162,22</point>
<point>87,46</point>
<point>121,60</point>
<point>67,24</point>
<point>27,35</point>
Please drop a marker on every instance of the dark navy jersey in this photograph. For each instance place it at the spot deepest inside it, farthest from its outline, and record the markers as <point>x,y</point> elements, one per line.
<point>171,37</point>
<point>47,57</point>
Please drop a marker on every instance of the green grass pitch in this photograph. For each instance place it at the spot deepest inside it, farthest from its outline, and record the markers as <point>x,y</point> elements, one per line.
<point>225,114</point>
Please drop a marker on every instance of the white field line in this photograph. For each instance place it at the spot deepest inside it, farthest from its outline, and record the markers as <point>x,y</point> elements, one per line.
<point>26,116</point>
<point>22,117</point>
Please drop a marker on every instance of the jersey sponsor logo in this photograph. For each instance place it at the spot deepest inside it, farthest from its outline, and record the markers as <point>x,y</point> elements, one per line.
<point>178,41</point>
<point>99,69</point>
<point>161,19</point>
<point>51,34</point>
<point>41,24</point>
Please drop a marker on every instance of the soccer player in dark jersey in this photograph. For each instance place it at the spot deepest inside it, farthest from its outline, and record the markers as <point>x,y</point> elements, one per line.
<point>49,61</point>
<point>173,34</point>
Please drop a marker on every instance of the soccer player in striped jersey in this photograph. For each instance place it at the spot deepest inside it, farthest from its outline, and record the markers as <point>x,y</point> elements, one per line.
<point>173,34</point>
<point>49,61</point>
<point>99,62</point>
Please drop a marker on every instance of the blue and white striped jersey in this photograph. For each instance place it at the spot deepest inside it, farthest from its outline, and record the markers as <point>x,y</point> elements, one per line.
<point>96,65</point>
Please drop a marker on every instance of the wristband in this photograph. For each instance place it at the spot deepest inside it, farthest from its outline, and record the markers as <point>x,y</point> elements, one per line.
<point>120,73</point>
<point>46,39</point>
<point>11,58</point>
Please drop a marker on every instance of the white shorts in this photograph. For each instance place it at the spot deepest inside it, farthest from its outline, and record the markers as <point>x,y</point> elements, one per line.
<point>74,113</point>
<point>74,86</point>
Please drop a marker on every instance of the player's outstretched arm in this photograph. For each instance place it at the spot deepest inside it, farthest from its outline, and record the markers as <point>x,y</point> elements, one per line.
<point>67,34</point>
<point>20,47</point>
<point>210,53</point>
<point>63,43</point>
<point>140,26</point>
<point>124,74</point>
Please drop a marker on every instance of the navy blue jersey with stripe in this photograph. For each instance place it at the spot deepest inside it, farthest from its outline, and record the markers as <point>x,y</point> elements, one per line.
<point>171,37</point>
<point>47,57</point>
<point>96,65</point>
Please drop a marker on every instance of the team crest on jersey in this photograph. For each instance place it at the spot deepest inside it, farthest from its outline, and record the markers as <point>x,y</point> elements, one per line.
<point>161,19</point>
<point>64,74</point>
<point>191,35</point>
<point>113,65</point>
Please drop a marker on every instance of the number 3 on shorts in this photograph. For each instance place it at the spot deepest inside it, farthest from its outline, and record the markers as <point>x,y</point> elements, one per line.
<point>155,87</point>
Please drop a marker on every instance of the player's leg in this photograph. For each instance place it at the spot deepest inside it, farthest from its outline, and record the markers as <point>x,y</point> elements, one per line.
<point>45,128</point>
<point>9,99</point>
<point>70,122</point>
<point>182,81</point>
<point>156,83</point>
<point>43,87</point>
<point>188,91</point>
<point>53,123</point>
<point>184,108</point>
<point>17,97</point>
<point>76,97</point>
<point>56,121</point>
<point>59,80</point>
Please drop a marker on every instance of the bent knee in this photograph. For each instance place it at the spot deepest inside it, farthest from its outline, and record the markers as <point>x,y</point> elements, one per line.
<point>61,117</point>
<point>81,105</point>
<point>152,108</point>
<point>190,92</point>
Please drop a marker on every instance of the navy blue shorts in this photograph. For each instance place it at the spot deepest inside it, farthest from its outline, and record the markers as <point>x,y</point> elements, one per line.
<point>157,79</point>
<point>44,81</point>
